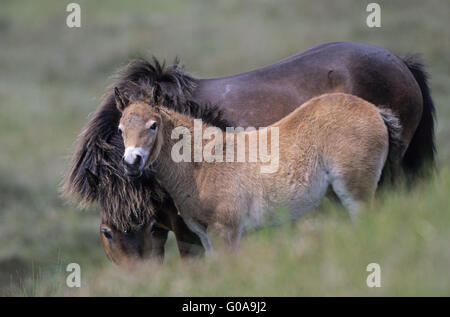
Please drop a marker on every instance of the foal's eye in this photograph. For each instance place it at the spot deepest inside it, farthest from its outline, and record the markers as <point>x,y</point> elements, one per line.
<point>153,126</point>
<point>119,131</point>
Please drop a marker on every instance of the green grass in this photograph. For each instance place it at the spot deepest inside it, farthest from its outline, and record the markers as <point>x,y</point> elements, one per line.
<point>321,254</point>
<point>52,77</point>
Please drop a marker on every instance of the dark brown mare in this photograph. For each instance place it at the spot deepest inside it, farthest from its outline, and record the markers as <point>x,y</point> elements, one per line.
<point>141,239</point>
<point>256,98</point>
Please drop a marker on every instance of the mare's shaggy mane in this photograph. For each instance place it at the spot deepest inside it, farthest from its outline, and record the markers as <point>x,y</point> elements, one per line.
<point>96,174</point>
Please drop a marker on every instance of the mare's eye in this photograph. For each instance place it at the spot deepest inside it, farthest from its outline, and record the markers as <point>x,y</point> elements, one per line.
<point>107,233</point>
<point>119,131</point>
<point>153,126</point>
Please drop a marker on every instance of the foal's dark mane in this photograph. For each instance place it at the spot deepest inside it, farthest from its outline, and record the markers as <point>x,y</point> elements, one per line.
<point>96,174</point>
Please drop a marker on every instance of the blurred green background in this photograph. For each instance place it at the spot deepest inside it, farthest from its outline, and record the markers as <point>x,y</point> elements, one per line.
<point>52,78</point>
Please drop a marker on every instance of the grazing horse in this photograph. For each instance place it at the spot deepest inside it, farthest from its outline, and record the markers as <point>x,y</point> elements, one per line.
<point>126,248</point>
<point>256,98</point>
<point>147,240</point>
<point>140,240</point>
<point>335,140</point>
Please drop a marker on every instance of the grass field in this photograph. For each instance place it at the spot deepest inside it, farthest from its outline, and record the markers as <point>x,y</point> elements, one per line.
<point>52,77</point>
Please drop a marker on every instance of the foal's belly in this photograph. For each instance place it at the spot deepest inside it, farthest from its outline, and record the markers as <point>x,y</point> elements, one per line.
<point>284,205</point>
<point>310,196</point>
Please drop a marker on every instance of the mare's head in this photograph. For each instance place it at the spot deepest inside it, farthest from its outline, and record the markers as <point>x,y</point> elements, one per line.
<point>126,248</point>
<point>141,128</point>
<point>123,245</point>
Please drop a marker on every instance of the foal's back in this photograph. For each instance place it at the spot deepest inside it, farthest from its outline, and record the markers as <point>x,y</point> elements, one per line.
<point>334,139</point>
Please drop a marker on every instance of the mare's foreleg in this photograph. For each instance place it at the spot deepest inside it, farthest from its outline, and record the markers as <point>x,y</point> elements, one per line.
<point>158,239</point>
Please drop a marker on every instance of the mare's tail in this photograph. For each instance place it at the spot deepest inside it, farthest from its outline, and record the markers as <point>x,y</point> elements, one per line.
<point>419,158</point>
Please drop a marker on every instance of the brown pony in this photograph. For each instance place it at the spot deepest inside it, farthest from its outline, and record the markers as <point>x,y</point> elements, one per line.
<point>126,248</point>
<point>141,240</point>
<point>334,140</point>
<point>256,98</point>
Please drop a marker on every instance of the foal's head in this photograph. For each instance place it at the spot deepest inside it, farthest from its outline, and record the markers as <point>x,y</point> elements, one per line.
<point>140,126</point>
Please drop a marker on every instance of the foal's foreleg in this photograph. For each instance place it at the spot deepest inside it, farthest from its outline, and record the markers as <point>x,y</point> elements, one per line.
<point>198,229</point>
<point>189,244</point>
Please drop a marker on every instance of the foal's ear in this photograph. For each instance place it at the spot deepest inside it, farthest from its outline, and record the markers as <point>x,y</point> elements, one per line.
<point>92,179</point>
<point>121,101</point>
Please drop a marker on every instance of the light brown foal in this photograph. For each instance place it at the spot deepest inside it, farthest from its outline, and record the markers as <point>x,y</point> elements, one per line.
<point>335,140</point>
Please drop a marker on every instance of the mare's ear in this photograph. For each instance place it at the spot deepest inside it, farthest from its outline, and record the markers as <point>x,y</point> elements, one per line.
<point>121,101</point>
<point>92,179</point>
<point>156,93</point>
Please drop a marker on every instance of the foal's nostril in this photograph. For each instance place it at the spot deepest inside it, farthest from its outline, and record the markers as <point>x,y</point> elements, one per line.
<point>137,160</point>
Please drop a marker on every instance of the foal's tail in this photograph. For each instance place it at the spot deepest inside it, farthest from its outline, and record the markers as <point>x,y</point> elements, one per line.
<point>392,167</point>
<point>419,158</point>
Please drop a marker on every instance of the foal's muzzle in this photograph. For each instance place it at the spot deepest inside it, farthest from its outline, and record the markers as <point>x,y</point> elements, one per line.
<point>133,169</point>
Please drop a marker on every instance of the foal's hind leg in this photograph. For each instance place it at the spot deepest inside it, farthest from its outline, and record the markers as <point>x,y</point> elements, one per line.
<point>355,189</point>
<point>232,236</point>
